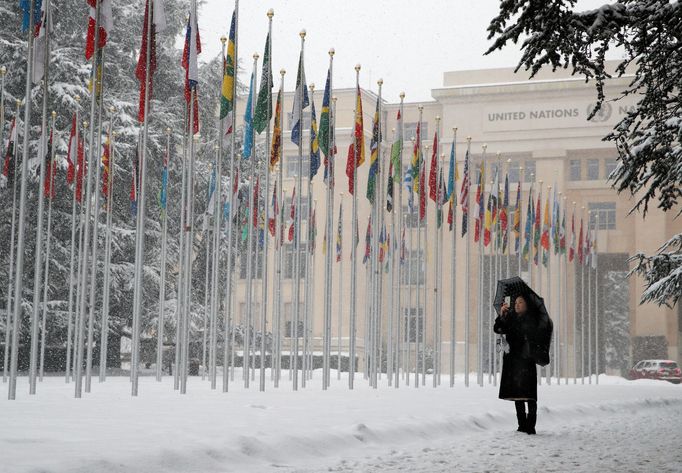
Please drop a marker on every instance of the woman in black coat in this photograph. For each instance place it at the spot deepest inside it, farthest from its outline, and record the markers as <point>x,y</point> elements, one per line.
<point>519,382</point>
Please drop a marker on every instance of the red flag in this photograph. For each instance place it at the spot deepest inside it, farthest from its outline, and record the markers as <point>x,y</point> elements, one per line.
<point>141,69</point>
<point>433,173</point>
<point>422,189</point>
<point>292,215</point>
<point>189,63</point>
<point>356,150</point>
<point>80,172</point>
<point>105,25</point>
<point>71,154</point>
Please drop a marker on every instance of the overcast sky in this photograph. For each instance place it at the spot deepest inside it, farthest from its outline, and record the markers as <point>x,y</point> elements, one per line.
<point>409,44</point>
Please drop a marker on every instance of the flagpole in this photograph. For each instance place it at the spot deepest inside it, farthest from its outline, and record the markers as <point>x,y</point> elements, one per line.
<point>354,218</point>
<point>481,253</point>
<point>306,253</point>
<point>41,206</point>
<point>589,304</point>
<point>419,323</point>
<point>43,324</point>
<point>207,308</point>
<point>575,309</point>
<point>548,368</point>
<point>376,274</point>
<point>96,158</point>
<point>492,265</point>
<point>399,209</point>
<point>559,306</point>
<point>69,333</point>
<point>164,249</point>
<point>582,305</point>
<point>410,315</point>
<point>279,244</point>
<point>564,297</point>
<point>180,281</point>
<point>329,206</point>
<point>453,267</point>
<point>436,252</point>
<point>8,320</point>
<point>539,276</point>
<point>596,299</point>
<point>340,305</point>
<point>391,343</point>
<point>439,275</point>
<point>104,338</point>
<point>467,257</point>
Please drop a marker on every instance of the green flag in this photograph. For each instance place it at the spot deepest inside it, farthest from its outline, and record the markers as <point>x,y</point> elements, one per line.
<point>263,113</point>
<point>324,132</point>
<point>397,149</point>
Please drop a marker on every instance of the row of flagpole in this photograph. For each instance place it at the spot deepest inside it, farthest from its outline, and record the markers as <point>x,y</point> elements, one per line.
<point>85,225</point>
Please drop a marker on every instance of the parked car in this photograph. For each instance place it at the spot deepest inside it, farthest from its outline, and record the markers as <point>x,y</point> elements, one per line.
<point>666,370</point>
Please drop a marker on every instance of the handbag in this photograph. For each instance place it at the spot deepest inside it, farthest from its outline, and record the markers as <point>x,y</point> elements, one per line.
<point>539,352</point>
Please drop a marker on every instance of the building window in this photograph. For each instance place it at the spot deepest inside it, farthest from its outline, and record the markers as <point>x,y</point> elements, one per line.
<point>289,260</point>
<point>606,212</point>
<point>306,120</point>
<point>411,132</point>
<point>592,169</point>
<point>303,210</point>
<point>291,165</point>
<point>574,170</point>
<point>610,165</point>
<point>529,170</point>
<point>410,218</point>
<point>412,272</point>
<point>413,323</point>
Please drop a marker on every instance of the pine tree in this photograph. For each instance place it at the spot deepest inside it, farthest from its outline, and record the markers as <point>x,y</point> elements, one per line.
<point>648,138</point>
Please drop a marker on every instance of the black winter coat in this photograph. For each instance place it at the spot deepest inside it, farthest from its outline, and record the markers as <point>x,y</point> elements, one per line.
<point>519,375</point>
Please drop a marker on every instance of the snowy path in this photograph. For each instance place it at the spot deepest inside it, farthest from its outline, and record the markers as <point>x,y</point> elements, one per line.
<point>408,429</point>
<point>643,437</point>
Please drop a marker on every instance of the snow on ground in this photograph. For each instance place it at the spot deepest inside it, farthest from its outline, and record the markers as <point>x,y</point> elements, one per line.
<point>618,425</point>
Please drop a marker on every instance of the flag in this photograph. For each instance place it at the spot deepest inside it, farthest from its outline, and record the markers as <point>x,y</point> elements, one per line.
<point>389,189</point>
<point>276,149</point>
<point>464,194</point>
<point>300,102</point>
<point>48,178</point>
<point>433,173</point>
<point>72,153</point>
<point>80,171</point>
<point>478,224</point>
<point>571,249</point>
<point>368,241</point>
<point>106,24</point>
<point>227,86</point>
<point>593,252</point>
<point>338,233</point>
<point>292,215</point>
<point>263,113</point>
<point>397,148</point>
<point>536,230</point>
<point>356,150</point>
<point>516,226</point>
<point>158,23</point>
<point>382,243</point>
<point>545,227</point>
<point>562,234</point>
<point>529,227</point>
<point>325,124</point>
<point>504,218</point>
<point>488,218</point>
<point>210,201</point>
<point>451,214</point>
<point>374,156</point>
<point>312,233</point>
<point>248,121</point>
<point>580,243</point>
<point>403,247</point>
<point>189,62</point>
<point>272,221</point>
<point>441,192</point>
<point>26,9</point>
<point>163,195</point>
<point>105,169</point>
<point>314,144</point>
<point>453,173</point>
<point>40,41</point>
<point>422,186</point>
<point>8,165</point>
<point>414,164</point>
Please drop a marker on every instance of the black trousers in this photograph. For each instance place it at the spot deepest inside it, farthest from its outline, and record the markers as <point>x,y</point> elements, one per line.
<point>521,408</point>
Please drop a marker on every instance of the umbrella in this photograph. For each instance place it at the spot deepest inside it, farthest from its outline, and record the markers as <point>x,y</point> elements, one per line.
<point>536,305</point>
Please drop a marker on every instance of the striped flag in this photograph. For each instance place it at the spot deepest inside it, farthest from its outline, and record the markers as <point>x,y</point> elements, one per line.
<point>389,189</point>
<point>325,125</point>
<point>374,156</point>
<point>478,225</point>
<point>227,86</point>
<point>504,218</point>
<point>433,173</point>
<point>356,150</point>
<point>105,169</point>
<point>190,63</point>
<point>276,149</point>
<point>106,24</point>
<point>516,226</point>
<point>292,216</point>
<point>537,230</point>
<point>314,143</point>
<point>529,227</point>
<point>464,194</point>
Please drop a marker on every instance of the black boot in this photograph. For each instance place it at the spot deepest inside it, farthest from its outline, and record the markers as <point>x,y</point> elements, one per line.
<point>530,423</point>
<point>520,415</point>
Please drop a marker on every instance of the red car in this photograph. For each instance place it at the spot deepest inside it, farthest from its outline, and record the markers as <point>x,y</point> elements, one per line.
<point>666,370</point>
